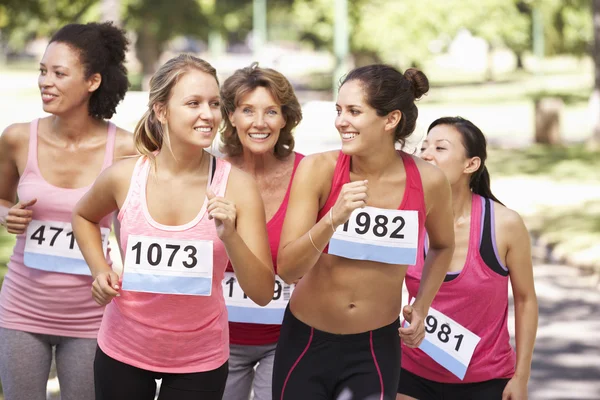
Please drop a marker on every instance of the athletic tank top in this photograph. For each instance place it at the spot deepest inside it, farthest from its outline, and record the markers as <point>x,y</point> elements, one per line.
<point>261,334</point>
<point>478,300</point>
<point>413,199</point>
<point>172,333</point>
<point>45,302</point>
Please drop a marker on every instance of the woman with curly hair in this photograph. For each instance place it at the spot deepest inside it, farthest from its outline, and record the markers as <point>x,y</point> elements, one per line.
<point>46,166</point>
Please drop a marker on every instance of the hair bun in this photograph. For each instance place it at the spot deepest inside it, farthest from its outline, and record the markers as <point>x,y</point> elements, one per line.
<point>418,80</point>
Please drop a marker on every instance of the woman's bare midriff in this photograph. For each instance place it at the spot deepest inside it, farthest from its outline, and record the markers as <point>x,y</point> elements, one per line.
<point>345,296</point>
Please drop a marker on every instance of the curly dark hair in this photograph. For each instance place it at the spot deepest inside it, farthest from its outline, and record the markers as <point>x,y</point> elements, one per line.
<point>244,81</point>
<point>387,89</point>
<point>101,48</point>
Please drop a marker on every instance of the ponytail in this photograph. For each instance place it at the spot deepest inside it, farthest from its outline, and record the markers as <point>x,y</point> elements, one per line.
<point>480,184</point>
<point>148,135</point>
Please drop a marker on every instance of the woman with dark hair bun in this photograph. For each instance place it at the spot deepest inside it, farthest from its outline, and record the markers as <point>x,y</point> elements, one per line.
<point>46,166</point>
<point>355,222</point>
<point>467,352</point>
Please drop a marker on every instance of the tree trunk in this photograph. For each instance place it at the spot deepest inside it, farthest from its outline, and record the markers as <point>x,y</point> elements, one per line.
<point>596,54</point>
<point>148,51</point>
<point>547,120</point>
<point>520,65</point>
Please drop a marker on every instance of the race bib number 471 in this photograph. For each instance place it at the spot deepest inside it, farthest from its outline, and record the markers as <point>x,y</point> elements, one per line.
<point>168,266</point>
<point>51,246</point>
<point>377,234</point>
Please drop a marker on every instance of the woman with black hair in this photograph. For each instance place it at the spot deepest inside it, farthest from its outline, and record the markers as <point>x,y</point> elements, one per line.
<point>467,354</point>
<point>46,166</point>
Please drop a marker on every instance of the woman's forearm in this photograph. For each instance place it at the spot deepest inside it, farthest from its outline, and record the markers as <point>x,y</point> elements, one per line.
<point>255,277</point>
<point>89,240</point>
<point>526,322</point>
<point>434,271</point>
<point>297,257</point>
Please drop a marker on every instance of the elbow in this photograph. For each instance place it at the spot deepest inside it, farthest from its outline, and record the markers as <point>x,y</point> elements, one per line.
<point>282,270</point>
<point>284,273</point>
<point>266,295</point>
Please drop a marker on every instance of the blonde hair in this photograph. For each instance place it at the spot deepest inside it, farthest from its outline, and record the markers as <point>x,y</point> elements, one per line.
<point>150,134</point>
<point>244,81</point>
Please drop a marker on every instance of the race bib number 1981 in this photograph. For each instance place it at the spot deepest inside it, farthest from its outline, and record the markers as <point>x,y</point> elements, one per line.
<point>449,343</point>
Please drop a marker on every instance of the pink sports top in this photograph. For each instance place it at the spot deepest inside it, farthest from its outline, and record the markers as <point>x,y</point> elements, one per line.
<point>413,198</point>
<point>476,298</point>
<point>172,333</point>
<point>44,301</point>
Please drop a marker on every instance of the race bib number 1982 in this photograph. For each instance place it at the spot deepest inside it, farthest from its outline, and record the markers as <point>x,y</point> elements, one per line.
<point>377,234</point>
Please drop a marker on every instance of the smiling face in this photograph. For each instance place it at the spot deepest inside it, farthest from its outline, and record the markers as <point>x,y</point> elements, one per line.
<point>444,148</point>
<point>357,122</point>
<point>258,120</point>
<point>193,112</point>
<point>62,80</point>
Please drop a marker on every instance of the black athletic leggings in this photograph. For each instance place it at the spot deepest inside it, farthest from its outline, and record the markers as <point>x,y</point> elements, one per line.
<point>115,380</point>
<point>316,365</point>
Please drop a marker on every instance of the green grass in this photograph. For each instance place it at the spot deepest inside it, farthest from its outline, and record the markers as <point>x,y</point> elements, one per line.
<point>561,163</point>
<point>7,241</point>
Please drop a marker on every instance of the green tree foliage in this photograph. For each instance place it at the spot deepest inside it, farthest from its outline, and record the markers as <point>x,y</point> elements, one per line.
<point>23,20</point>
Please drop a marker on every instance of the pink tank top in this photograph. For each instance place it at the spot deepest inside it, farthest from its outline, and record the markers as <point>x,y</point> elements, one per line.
<point>37,301</point>
<point>166,332</point>
<point>261,334</point>
<point>413,198</point>
<point>478,300</point>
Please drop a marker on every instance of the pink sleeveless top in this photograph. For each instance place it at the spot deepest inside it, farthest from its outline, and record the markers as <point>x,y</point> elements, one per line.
<point>50,303</point>
<point>165,332</point>
<point>261,334</point>
<point>478,300</point>
<point>413,199</point>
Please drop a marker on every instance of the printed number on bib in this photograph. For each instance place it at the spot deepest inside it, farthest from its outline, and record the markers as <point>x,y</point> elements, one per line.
<point>51,246</point>
<point>168,266</point>
<point>241,309</point>
<point>377,234</point>
<point>449,343</point>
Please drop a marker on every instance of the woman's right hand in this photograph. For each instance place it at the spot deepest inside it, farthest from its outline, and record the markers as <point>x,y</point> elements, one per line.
<point>352,196</point>
<point>19,217</point>
<point>105,287</point>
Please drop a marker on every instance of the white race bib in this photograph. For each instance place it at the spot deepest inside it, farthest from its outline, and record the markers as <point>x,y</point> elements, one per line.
<point>377,234</point>
<point>241,309</point>
<point>449,343</point>
<point>51,246</point>
<point>168,266</point>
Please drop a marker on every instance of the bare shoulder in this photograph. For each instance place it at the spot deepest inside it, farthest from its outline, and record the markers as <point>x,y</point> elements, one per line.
<point>319,166</point>
<point>241,186</point>
<point>124,145</point>
<point>431,176</point>
<point>508,220</point>
<point>15,135</point>
<point>121,170</point>
<point>435,183</point>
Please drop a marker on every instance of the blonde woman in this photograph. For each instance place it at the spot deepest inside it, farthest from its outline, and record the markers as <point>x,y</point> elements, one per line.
<point>183,213</point>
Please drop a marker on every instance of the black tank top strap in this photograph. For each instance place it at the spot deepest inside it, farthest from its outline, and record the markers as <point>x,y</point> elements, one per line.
<point>487,247</point>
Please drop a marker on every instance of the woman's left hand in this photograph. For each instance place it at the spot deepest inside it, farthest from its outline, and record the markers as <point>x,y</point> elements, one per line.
<point>223,212</point>
<point>516,389</point>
